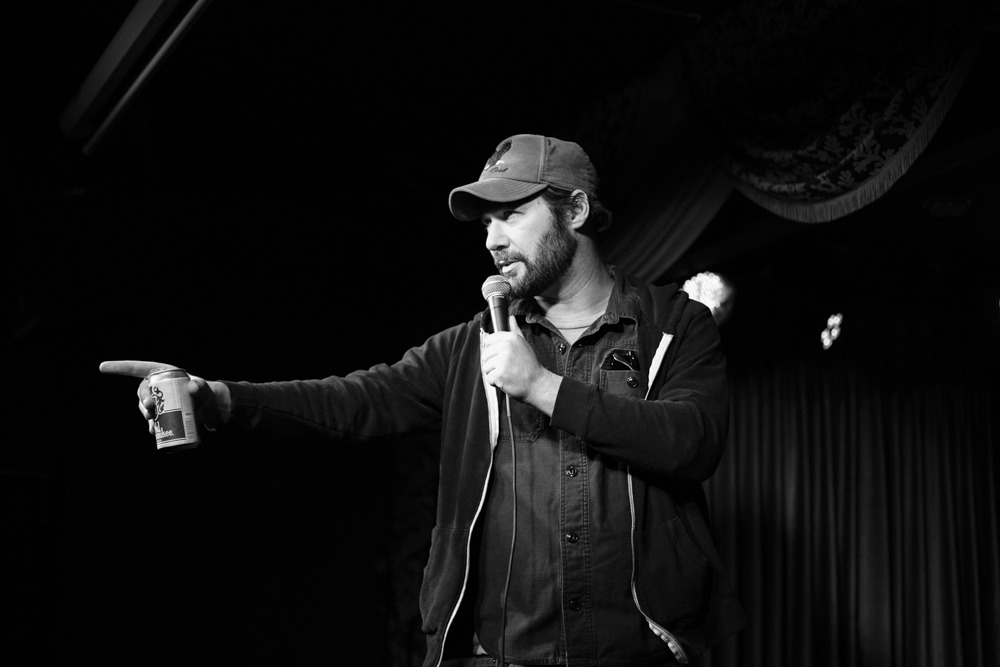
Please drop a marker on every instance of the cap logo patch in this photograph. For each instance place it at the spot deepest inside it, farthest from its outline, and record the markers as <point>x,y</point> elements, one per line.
<point>492,165</point>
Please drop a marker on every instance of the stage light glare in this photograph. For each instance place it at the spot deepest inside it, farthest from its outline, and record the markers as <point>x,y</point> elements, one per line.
<point>712,290</point>
<point>832,331</point>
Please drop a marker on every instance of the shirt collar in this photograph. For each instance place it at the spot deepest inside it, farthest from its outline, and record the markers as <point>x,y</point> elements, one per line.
<point>623,304</point>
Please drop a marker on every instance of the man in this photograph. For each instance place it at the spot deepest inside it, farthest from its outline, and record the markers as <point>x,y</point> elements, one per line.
<point>582,539</point>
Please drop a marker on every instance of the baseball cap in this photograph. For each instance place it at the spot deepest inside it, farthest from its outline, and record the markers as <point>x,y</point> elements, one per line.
<point>523,165</point>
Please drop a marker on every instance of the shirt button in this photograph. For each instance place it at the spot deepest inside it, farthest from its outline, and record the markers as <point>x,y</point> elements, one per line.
<point>571,471</point>
<point>575,605</point>
<point>562,348</point>
<point>632,381</point>
<point>572,538</point>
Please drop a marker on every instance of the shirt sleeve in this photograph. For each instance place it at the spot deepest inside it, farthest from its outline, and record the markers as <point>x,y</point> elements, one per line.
<point>383,401</point>
<point>681,431</point>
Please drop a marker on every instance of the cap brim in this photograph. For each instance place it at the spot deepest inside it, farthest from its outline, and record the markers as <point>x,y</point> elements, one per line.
<point>465,202</point>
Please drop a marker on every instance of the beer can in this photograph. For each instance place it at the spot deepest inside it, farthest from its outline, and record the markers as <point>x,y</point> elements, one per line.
<point>173,425</point>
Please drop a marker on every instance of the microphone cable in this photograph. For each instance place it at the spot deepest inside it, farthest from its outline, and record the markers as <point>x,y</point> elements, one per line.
<point>495,290</point>
<point>513,537</point>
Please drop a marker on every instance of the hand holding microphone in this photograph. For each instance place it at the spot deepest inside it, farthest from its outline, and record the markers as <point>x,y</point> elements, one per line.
<point>509,363</point>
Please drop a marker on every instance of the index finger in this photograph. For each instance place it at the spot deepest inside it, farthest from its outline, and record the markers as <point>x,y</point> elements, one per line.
<point>136,369</point>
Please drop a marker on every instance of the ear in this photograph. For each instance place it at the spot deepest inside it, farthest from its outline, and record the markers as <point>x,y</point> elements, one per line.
<point>581,209</point>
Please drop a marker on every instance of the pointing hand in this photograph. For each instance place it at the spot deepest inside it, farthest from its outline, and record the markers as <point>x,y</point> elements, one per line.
<point>211,399</point>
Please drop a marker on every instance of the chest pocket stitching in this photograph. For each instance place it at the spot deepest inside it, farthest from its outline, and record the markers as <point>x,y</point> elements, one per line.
<point>529,422</point>
<point>616,382</point>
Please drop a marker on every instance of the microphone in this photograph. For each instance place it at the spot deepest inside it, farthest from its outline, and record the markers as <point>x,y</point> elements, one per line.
<point>495,291</point>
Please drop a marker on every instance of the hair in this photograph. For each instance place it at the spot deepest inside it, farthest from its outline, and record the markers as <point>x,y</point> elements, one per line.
<point>562,202</point>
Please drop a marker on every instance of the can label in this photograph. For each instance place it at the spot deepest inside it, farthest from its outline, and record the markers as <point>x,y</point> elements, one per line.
<point>174,423</point>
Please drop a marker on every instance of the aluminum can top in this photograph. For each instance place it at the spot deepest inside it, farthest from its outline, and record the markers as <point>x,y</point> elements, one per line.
<point>167,373</point>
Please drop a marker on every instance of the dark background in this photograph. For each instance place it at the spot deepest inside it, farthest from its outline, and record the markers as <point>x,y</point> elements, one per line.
<point>273,206</point>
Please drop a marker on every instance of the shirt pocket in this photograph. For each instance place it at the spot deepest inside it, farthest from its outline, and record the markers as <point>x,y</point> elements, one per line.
<point>624,383</point>
<point>527,420</point>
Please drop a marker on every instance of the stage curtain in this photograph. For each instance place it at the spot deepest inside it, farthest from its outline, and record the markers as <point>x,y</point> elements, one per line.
<point>810,110</point>
<point>818,108</point>
<point>657,177</point>
<point>856,505</point>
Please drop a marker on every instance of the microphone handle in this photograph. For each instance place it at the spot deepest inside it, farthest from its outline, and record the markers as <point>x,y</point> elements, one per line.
<point>498,311</point>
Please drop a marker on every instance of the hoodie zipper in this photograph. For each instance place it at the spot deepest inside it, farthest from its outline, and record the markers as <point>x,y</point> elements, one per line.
<point>465,578</point>
<point>494,419</point>
<point>658,630</point>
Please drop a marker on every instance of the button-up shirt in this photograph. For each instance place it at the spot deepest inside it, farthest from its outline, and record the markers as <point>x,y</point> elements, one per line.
<point>569,592</point>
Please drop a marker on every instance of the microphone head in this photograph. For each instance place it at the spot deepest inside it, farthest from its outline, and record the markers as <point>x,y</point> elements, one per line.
<point>496,286</point>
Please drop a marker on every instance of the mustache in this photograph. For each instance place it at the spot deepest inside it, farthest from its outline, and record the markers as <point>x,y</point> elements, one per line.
<point>501,257</point>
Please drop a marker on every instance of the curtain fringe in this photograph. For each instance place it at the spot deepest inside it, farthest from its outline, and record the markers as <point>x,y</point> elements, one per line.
<point>876,186</point>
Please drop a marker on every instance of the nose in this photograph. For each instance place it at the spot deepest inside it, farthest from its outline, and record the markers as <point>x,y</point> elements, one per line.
<point>496,238</point>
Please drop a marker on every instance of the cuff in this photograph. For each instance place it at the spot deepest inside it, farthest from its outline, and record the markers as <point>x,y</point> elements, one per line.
<point>573,406</point>
<point>243,408</point>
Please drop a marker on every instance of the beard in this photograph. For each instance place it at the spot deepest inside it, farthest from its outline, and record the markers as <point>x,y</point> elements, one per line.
<point>556,250</point>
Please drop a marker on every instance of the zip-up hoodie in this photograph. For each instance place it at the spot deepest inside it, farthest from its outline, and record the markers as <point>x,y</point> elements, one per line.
<point>669,443</point>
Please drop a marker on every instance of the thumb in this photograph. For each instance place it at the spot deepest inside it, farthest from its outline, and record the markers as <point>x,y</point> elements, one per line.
<point>512,321</point>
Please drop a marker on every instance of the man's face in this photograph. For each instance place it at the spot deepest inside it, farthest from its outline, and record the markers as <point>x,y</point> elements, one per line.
<point>530,247</point>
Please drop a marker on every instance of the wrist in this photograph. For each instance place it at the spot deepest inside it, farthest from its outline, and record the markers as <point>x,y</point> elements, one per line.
<point>223,401</point>
<point>544,391</point>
